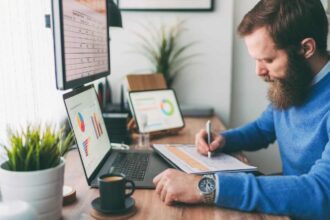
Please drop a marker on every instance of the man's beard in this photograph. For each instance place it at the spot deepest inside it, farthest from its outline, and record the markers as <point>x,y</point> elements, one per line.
<point>294,88</point>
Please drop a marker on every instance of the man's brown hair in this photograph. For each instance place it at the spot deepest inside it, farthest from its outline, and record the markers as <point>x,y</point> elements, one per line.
<point>288,22</point>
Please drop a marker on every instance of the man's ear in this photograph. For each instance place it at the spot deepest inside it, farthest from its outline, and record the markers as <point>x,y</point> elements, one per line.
<point>308,47</point>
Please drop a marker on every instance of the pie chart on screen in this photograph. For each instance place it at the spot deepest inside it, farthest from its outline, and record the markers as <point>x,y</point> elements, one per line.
<point>80,122</point>
<point>167,107</point>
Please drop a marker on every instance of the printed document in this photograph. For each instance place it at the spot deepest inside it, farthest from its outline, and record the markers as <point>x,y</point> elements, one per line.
<point>189,160</point>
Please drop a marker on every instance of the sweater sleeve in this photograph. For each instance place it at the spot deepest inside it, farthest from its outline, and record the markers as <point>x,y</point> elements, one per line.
<point>252,136</point>
<point>304,197</point>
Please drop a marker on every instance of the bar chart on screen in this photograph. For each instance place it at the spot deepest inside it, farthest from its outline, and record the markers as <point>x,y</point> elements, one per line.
<point>96,125</point>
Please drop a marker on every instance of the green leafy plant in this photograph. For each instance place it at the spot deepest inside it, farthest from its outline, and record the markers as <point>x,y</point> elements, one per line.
<point>161,46</point>
<point>37,149</point>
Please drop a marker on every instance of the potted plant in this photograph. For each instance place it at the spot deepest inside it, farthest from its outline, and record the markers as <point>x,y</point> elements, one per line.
<point>164,49</point>
<point>34,171</point>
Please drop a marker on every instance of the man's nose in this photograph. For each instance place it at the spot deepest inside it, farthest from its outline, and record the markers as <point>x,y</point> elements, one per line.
<point>261,70</point>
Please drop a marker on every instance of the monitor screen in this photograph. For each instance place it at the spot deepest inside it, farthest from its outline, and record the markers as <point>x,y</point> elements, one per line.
<point>81,41</point>
<point>88,126</point>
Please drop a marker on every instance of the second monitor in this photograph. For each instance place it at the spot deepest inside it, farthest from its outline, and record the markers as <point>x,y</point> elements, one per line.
<point>81,41</point>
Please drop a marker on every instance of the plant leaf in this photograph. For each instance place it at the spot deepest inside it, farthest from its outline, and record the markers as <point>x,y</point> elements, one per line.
<point>32,149</point>
<point>160,46</point>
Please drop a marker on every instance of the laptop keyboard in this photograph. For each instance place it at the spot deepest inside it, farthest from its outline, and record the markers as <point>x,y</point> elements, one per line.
<point>133,165</point>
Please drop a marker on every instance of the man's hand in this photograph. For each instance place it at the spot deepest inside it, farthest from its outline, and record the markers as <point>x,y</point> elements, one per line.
<point>202,147</point>
<point>175,186</point>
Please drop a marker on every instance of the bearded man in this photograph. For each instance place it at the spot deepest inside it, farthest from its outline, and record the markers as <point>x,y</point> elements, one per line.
<point>288,40</point>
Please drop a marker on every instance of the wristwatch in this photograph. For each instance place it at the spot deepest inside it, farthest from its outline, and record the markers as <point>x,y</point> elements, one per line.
<point>207,187</point>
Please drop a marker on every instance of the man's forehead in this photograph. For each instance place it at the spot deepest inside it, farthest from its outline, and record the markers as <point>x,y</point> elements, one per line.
<point>260,44</point>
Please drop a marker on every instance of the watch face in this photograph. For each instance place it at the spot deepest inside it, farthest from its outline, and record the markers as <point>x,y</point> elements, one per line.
<point>206,185</point>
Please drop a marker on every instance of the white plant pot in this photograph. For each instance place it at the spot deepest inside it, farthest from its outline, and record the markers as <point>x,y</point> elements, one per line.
<point>43,189</point>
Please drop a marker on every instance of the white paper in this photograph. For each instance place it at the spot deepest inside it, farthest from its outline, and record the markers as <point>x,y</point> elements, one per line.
<point>189,160</point>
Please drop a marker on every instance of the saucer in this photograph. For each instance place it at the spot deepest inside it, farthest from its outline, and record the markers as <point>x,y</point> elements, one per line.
<point>129,204</point>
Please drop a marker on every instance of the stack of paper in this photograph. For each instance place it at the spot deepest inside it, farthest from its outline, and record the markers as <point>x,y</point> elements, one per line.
<point>186,158</point>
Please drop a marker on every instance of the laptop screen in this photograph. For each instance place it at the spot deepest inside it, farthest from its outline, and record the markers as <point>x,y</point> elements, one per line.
<point>88,126</point>
<point>156,110</point>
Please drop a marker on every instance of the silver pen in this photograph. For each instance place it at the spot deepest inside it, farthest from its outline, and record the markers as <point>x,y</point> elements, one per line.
<point>209,137</point>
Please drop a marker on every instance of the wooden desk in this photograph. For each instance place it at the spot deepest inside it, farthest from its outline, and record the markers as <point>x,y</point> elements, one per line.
<point>149,206</point>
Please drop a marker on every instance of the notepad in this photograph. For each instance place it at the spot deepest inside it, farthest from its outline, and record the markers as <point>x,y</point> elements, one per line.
<point>186,158</point>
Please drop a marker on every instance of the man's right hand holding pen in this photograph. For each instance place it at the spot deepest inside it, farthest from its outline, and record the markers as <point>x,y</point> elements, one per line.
<point>201,141</point>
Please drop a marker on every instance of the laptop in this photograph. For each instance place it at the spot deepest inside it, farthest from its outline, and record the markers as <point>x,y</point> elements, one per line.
<point>156,111</point>
<point>94,145</point>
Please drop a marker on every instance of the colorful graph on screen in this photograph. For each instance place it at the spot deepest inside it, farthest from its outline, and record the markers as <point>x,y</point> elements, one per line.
<point>167,107</point>
<point>97,125</point>
<point>85,145</point>
<point>80,121</point>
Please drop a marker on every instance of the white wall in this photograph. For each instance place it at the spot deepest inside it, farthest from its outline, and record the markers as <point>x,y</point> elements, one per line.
<point>207,82</point>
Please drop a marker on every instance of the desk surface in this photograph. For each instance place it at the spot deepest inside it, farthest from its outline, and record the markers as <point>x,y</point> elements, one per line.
<point>148,204</point>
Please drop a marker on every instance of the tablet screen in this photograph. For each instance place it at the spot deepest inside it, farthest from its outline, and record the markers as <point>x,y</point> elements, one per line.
<point>155,110</point>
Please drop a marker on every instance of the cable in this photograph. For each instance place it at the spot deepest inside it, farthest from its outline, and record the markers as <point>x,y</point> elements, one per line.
<point>120,146</point>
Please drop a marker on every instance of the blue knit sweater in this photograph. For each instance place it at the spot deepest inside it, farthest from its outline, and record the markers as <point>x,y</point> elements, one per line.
<point>302,134</point>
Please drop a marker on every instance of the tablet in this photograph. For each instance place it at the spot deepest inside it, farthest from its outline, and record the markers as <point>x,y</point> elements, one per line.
<point>156,110</point>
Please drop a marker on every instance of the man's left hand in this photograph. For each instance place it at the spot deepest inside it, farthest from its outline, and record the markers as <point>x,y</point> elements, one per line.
<point>175,186</point>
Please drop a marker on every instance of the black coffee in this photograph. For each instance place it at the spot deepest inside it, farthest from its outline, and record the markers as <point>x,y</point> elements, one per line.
<point>112,178</point>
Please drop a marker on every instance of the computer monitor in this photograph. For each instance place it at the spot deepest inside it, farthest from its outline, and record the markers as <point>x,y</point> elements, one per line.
<point>81,41</point>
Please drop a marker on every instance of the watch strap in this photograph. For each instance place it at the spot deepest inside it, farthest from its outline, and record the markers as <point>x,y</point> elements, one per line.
<point>209,198</point>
